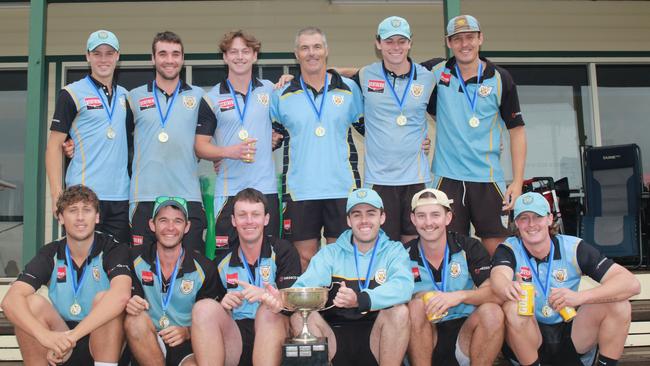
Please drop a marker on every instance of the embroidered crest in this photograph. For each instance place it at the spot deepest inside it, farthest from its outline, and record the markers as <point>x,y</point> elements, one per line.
<point>337,99</point>
<point>527,200</point>
<point>416,90</point>
<point>122,100</point>
<point>102,35</point>
<point>380,276</point>
<point>484,90</point>
<point>96,273</point>
<point>362,194</point>
<point>265,272</point>
<point>263,99</point>
<point>187,286</point>
<point>454,269</point>
<point>395,23</point>
<point>189,101</point>
<point>560,275</point>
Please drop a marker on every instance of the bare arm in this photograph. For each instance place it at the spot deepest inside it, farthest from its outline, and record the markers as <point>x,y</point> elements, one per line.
<point>205,149</point>
<point>503,287</point>
<point>54,164</point>
<point>518,154</point>
<point>111,305</point>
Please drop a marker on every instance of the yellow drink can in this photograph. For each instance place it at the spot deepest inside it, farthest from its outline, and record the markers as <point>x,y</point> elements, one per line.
<point>568,313</point>
<point>433,318</point>
<point>526,304</point>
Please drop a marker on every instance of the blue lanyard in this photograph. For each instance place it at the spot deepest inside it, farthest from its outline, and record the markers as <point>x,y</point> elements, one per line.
<point>166,298</point>
<point>163,119</point>
<point>472,101</point>
<point>77,286</point>
<point>318,111</point>
<point>356,264</point>
<point>443,285</point>
<point>104,102</point>
<point>253,280</point>
<point>400,102</point>
<point>533,269</point>
<point>234,97</point>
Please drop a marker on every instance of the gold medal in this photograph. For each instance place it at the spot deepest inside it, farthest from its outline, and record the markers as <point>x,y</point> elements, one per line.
<point>110,133</point>
<point>163,321</point>
<point>75,309</point>
<point>320,131</point>
<point>243,134</point>
<point>401,120</point>
<point>474,122</point>
<point>163,137</point>
<point>547,311</point>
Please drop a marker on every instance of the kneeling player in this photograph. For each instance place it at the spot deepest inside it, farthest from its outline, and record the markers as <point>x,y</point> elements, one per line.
<point>168,280</point>
<point>553,264</point>
<point>89,284</point>
<point>468,327</point>
<point>247,322</point>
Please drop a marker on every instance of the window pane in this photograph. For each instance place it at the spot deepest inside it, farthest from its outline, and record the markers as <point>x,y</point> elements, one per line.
<point>623,95</point>
<point>13,97</point>
<point>208,76</point>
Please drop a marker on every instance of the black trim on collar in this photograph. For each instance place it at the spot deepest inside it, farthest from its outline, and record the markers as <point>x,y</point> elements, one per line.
<point>235,261</point>
<point>100,240</point>
<point>557,254</point>
<point>223,87</point>
<point>452,241</point>
<point>403,76</point>
<point>149,256</point>
<point>336,82</point>
<point>487,73</point>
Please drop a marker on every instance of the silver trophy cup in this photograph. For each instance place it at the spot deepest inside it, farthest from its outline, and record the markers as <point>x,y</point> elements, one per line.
<point>305,300</point>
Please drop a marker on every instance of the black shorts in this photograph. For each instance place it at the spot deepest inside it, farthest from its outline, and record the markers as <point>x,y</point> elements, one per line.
<point>114,220</point>
<point>478,203</point>
<point>193,240</point>
<point>307,218</point>
<point>397,206</point>
<point>176,355</point>
<point>445,351</point>
<point>247,331</point>
<point>81,352</point>
<point>557,347</point>
<point>223,226</point>
<point>353,343</point>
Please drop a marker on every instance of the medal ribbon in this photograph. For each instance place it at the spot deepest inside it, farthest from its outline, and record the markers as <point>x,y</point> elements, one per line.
<point>234,97</point>
<point>533,270</point>
<point>166,298</point>
<point>443,285</point>
<point>104,102</point>
<point>253,280</point>
<point>163,119</point>
<point>318,111</point>
<point>400,102</point>
<point>472,101</point>
<point>356,264</point>
<point>76,287</point>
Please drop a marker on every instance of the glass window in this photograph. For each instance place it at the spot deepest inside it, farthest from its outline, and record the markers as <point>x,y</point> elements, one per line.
<point>13,98</point>
<point>623,98</point>
<point>554,100</point>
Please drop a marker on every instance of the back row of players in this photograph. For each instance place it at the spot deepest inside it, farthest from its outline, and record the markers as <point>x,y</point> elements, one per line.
<point>236,122</point>
<point>183,309</point>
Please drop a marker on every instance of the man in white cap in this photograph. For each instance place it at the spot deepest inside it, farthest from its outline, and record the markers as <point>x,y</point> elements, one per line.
<point>94,113</point>
<point>461,324</point>
<point>553,264</point>
<point>475,101</point>
<point>369,322</point>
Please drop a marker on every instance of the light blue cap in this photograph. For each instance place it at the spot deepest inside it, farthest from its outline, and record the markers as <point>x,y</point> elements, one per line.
<point>364,195</point>
<point>394,26</point>
<point>532,202</point>
<point>101,37</point>
<point>462,24</point>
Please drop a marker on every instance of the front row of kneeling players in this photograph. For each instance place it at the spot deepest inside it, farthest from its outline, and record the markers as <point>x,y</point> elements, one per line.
<point>186,310</point>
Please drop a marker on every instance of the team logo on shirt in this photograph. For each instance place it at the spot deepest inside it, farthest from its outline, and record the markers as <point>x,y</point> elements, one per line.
<point>60,274</point>
<point>525,274</point>
<point>484,90</point>
<point>445,78</point>
<point>232,279</point>
<point>416,90</point>
<point>376,86</point>
<point>380,276</point>
<point>122,100</point>
<point>265,272</point>
<point>416,273</point>
<point>147,278</point>
<point>93,103</point>
<point>138,239</point>
<point>189,101</point>
<point>454,269</point>
<point>221,241</point>
<point>337,99</point>
<point>263,99</point>
<point>146,103</point>
<point>96,273</point>
<point>560,275</point>
<point>187,286</point>
<point>226,104</point>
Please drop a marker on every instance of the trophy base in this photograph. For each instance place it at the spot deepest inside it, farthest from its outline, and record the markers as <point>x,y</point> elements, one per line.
<point>301,353</point>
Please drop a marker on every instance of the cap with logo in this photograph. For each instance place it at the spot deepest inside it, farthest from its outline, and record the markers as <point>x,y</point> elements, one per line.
<point>164,201</point>
<point>532,202</point>
<point>462,24</point>
<point>439,198</point>
<point>364,195</point>
<point>394,26</point>
<point>101,37</point>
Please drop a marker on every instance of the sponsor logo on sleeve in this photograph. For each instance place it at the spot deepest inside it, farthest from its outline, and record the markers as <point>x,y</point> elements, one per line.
<point>61,274</point>
<point>232,279</point>
<point>445,78</point>
<point>147,278</point>
<point>93,103</point>
<point>226,104</point>
<point>138,239</point>
<point>376,86</point>
<point>525,273</point>
<point>146,103</point>
<point>286,225</point>
<point>416,273</point>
